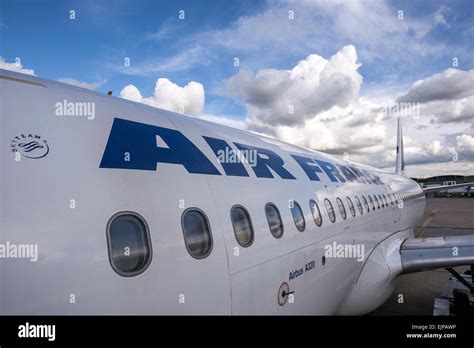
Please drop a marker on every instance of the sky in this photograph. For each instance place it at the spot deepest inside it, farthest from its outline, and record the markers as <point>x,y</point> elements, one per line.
<point>328,75</point>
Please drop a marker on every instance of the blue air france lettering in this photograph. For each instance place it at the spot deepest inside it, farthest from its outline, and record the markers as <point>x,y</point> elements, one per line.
<point>139,140</point>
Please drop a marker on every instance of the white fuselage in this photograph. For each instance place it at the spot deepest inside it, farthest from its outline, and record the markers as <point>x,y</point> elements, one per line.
<point>63,202</point>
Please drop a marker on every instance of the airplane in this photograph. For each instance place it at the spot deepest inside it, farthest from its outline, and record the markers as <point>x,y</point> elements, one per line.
<point>109,206</point>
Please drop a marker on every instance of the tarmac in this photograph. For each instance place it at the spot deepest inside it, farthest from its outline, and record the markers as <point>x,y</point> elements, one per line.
<point>443,217</point>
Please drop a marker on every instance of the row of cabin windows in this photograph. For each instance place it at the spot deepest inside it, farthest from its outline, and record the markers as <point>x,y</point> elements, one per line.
<point>128,235</point>
<point>411,196</point>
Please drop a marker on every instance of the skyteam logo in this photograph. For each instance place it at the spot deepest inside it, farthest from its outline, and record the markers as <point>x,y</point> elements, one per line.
<point>29,146</point>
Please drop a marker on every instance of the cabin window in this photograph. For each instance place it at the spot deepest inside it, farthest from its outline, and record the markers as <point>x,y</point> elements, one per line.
<point>342,209</point>
<point>371,202</point>
<point>197,233</point>
<point>385,200</point>
<point>330,210</point>
<point>274,220</point>
<point>298,216</point>
<point>128,239</point>
<point>318,220</point>
<point>390,198</point>
<point>397,197</point>
<point>359,205</point>
<point>377,202</point>
<point>366,204</point>
<point>243,229</point>
<point>351,206</point>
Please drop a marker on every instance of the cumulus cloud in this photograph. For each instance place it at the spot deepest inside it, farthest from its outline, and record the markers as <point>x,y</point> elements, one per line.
<point>452,111</point>
<point>446,97</point>
<point>328,113</point>
<point>333,117</point>
<point>168,95</point>
<point>89,85</point>
<point>289,97</point>
<point>354,129</point>
<point>17,67</point>
<point>465,142</point>
<point>132,93</point>
<point>451,84</point>
<point>443,149</point>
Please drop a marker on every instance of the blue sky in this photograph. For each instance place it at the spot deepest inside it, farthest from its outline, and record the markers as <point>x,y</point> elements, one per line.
<point>103,33</point>
<point>90,47</point>
<point>392,52</point>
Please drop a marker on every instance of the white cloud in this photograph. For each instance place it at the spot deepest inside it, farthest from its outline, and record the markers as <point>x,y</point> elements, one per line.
<point>354,129</point>
<point>439,15</point>
<point>329,112</point>
<point>168,95</point>
<point>346,123</point>
<point>465,142</point>
<point>446,97</point>
<point>450,111</point>
<point>290,97</point>
<point>88,85</point>
<point>17,67</point>
<point>132,93</point>
<point>435,147</point>
<point>451,84</point>
<point>372,26</point>
<point>269,35</point>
